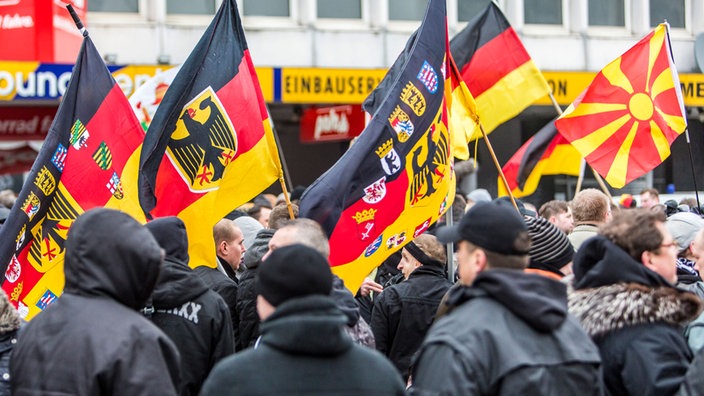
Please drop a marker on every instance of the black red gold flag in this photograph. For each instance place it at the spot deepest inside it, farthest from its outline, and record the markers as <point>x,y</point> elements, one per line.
<point>397,179</point>
<point>498,70</point>
<point>82,164</point>
<point>210,147</point>
<point>546,153</point>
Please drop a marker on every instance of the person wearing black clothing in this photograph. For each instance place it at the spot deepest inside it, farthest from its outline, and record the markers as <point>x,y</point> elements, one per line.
<point>403,312</point>
<point>92,340</point>
<point>303,348</point>
<point>182,306</point>
<point>506,332</point>
<point>625,298</point>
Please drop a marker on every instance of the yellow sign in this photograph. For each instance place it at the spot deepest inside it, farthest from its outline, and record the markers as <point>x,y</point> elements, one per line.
<point>328,85</point>
<point>566,86</point>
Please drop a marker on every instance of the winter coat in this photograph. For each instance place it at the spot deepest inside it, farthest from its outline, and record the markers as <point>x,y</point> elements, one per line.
<point>303,351</point>
<point>246,293</point>
<point>227,289</point>
<point>182,306</point>
<point>9,331</point>
<point>635,317</point>
<point>403,314</point>
<point>92,340</point>
<point>508,334</point>
<point>581,233</point>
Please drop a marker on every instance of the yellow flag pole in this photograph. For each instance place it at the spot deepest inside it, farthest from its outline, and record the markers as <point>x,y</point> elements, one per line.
<point>284,167</point>
<point>597,176</point>
<point>498,166</point>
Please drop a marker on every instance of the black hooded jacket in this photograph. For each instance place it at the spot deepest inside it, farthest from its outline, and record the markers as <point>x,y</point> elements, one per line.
<point>508,334</point>
<point>635,317</point>
<point>195,317</point>
<point>304,351</point>
<point>92,341</point>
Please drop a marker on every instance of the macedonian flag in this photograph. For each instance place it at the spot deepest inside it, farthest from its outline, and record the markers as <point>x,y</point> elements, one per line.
<point>624,123</point>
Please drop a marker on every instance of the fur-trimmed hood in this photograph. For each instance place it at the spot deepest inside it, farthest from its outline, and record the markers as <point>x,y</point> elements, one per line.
<point>607,308</point>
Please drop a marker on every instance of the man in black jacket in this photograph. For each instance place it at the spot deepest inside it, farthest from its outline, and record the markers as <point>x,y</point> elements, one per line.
<point>626,300</point>
<point>303,348</point>
<point>193,316</point>
<point>92,340</point>
<point>403,313</point>
<point>506,332</point>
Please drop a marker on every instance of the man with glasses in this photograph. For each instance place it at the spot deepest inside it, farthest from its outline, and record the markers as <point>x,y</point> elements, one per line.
<point>626,300</point>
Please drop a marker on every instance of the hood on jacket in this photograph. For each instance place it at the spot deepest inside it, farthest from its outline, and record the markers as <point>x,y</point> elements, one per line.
<point>599,262</point>
<point>310,325</point>
<point>170,233</point>
<point>108,253</point>
<point>537,300</point>
<point>258,248</point>
<point>603,309</point>
<point>176,285</point>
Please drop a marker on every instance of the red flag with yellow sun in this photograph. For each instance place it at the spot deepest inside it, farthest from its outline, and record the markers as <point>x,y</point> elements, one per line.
<point>624,123</point>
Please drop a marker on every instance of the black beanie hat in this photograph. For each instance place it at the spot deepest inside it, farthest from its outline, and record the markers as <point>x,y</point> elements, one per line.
<point>293,271</point>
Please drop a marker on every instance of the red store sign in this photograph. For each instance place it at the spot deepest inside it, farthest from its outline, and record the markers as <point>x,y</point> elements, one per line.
<point>25,122</point>
<point>331,124</point>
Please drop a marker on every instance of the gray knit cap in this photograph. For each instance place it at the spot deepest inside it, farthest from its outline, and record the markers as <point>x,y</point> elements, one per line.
<point>683,227</point>
<point>550,249</point>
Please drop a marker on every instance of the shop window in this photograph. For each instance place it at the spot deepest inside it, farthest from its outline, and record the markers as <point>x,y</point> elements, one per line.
<point>607,13</point>
<point>671,10</point>
<point>130,6</point>
<point>543,12</point>
<point>468,9</point>
<point>340,9</point>
<point>407,10</point>
<point>266,8</point>
<point>190,7</point>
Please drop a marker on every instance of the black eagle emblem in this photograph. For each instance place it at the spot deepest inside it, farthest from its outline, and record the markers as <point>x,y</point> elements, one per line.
<point>208,147</point>
<point>425,171</point>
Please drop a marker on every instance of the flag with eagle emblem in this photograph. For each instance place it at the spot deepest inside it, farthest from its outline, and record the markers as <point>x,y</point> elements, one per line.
<point>82,164</point>
<point>397,179</point>
<point>624,123</point>
<point>209,147</point>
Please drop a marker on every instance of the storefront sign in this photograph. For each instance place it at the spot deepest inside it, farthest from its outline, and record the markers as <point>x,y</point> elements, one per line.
<point>25,122</point>
<point>331,124</point>
<point>327,85</point>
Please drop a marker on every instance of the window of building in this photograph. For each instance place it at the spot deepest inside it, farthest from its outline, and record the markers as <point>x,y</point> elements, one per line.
<point>266,8</point>
<point>113,6</point>
<point>340,9</point>
<point>468,9</point>
<point>671,10</point>
<point>203,7</point>
<point>407,10</point>
<point>607,13</point>
<point>543,12</point>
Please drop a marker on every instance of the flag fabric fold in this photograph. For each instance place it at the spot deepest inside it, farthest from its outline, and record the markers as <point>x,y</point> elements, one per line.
<point>497,69</point>
<point>210,146</point>
<point>545,153</point>
<point>82,164</point>
<point>397,179</point>
<point>624,123</point>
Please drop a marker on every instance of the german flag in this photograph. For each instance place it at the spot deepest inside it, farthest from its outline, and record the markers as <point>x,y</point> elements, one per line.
<point>82,164</point>
<point>497,68</point>
<point>546,153</point>
<point>625,121</point>
<point>397,179</point>
<point>210,147</point>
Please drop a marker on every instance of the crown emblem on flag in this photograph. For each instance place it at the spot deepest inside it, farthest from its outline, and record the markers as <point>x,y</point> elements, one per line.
<point>365,215</point>
<point>385,148</point>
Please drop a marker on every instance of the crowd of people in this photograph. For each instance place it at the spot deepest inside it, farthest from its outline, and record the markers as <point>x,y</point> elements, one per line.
<point>587,297</point>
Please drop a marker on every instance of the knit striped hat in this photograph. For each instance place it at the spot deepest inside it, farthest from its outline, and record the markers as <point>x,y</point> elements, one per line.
<point>550,249</point>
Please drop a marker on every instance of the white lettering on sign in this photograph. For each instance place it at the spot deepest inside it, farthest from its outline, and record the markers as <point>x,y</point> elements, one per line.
<point>33,84</point>
<point>16,21</point>
<point>333,122</point>
<point>33,125</point>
